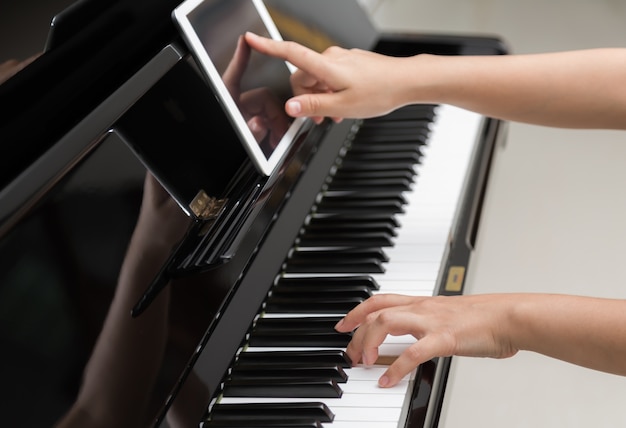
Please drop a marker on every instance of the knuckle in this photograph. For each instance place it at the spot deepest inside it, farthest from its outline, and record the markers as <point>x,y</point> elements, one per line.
<point>414,353</point>
<point>314,105</point>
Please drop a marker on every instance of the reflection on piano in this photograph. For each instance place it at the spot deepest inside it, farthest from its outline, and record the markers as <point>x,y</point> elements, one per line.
<point>243,337</point>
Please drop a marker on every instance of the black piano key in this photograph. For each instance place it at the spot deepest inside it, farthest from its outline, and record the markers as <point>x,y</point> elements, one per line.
<point>281,358</point>
<point>298,331</point>
<point>338,281</point>
<point>413,111</point>
<point>303,292</point>
<point>372,185</point>
<point>394,138</point>
<point>401,146</point>
<point>410,156</point>
<point>351,239</point>
<point>357,197</point>
<point>318,305</point>
<point>415,119</point>
<point>362,206</point>
<point>299,423</point>
<point>370,266</point>
<point>360,226</point>
<point>292,332</point>
<point>325,254</point>
<point>373,174</point>
<point>348,221</point>
<point>290,371</point>
<point>301,324</point>
<point>387,165</point>
<point>331,225</point>
<point>375,197</point>
<point>269,339</point>
<point>278,388</point>
<point>271,412</point>
<point>328,254</point>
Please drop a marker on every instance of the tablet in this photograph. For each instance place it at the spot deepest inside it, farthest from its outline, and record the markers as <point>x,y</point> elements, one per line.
<point>251,87</point>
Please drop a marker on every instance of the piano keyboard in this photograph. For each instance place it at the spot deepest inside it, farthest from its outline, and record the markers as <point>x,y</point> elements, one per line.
<point>381,225</point>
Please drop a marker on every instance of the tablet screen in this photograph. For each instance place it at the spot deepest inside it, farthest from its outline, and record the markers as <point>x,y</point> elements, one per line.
<point>252,87</point>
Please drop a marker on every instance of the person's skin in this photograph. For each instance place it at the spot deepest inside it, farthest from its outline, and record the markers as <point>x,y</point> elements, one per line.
<point>262,109</point>
<point>579,89</point>
<point>128,354</point>
<point>11,67</point>
<point>586,331</point>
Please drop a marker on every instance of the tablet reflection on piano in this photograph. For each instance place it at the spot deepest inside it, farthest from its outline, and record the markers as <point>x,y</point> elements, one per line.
<point>262,107</point>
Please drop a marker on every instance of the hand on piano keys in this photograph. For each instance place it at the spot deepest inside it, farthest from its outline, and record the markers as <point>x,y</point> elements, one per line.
<point>371,232</point>
<point>444,326</point>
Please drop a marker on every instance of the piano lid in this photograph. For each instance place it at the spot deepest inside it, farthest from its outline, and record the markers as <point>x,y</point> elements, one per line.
<point>81,69</point>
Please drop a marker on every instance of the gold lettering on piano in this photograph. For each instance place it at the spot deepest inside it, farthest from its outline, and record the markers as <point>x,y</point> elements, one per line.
<point>456,274</point>
<point>386,360</point>
<point>206,207</point>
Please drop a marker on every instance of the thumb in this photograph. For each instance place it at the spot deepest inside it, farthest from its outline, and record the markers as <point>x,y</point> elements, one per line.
<point>311,105</point>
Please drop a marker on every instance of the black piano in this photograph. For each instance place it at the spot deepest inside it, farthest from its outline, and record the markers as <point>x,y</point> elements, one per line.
<point>149,276</point>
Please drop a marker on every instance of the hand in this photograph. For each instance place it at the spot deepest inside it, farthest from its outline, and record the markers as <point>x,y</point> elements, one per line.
<point>443,326</point>
<point>338,83</point>
<point>262,109</point>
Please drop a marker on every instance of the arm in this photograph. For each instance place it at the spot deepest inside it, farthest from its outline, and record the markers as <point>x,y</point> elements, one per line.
<point>127,356</point>
<point>578,89</point>
<point>586,331</point>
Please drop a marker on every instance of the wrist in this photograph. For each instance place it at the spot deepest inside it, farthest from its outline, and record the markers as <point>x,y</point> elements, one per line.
<point>425,79</point>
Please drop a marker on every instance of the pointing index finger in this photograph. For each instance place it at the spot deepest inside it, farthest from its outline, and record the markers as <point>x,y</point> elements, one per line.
<point>300,56</point>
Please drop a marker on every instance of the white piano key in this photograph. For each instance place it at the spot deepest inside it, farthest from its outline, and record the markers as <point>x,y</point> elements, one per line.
<point>413,269</point>
<point>346,400</point>
<point>361,424</point>
<point>408,252</point>
<point>386,349</point>
<point>365,414</point>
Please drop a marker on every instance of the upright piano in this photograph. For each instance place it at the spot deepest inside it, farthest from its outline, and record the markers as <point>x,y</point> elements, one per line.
<point>149,276</point>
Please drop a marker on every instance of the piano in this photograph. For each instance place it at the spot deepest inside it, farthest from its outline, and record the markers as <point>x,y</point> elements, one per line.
<point>110,136</point>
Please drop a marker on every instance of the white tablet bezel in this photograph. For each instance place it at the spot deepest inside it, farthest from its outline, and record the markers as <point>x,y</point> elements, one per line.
<point>264,165</point>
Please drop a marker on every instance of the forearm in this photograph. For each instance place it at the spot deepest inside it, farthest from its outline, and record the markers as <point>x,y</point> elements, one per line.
<point>123,367</point>
<point>586,331</point>
<point>578,89</point>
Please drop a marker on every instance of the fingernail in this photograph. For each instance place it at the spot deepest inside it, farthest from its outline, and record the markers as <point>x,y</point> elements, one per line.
<point>294,107</point>
<point>339,324</point>
<point>383,381</point>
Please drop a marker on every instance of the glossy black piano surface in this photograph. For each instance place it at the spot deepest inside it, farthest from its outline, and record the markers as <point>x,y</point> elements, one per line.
<point>85,227</point>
